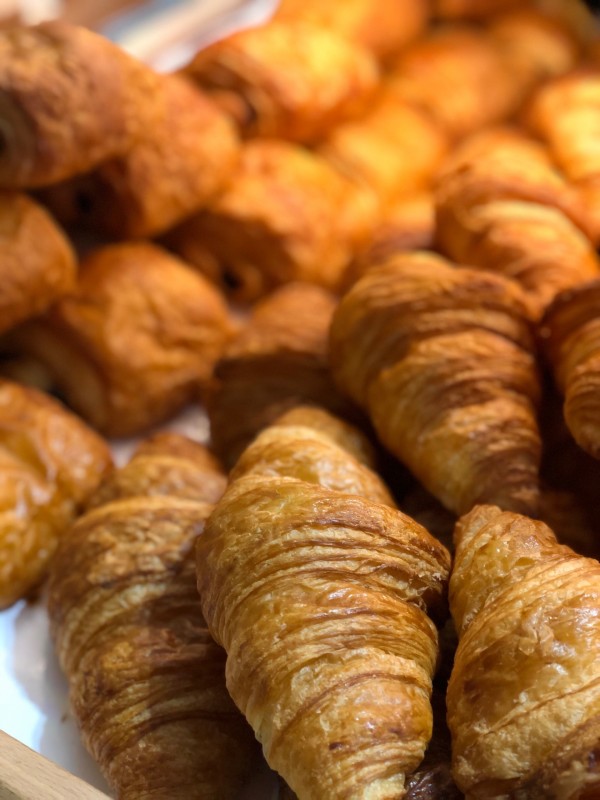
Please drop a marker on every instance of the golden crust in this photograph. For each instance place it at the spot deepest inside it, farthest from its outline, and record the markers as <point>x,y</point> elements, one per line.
<point>287,216</point>
<point>37,262</point>
<point>177,165</point>
<point>382,26</point>
<point>50,463</point>
<point>135,342</point>
<point>332,588</point>
<point>279,360</point>
<point>288,79</point>
<point>442,358</point>
<point>146,681</point>
<point>502,206</point>
<point>69,99</point>
<point>523,698</point>
<point>570,332</point>
<point>473,9</point>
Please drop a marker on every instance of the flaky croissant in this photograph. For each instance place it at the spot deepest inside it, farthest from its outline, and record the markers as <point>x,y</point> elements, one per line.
<point>277,361</point>
<point>502,206</point>
<point>524,695</point>
<point>50,462</point>
<point>70,99</point>
<point>289,79</point>
<point>146,681</point>
<point>37,262</point>
<point>135,342</point>
<point>287,215</point>
<point>570,332</point>
<point>442,358</point>
<point>319,598</point>
<point>176,166</point>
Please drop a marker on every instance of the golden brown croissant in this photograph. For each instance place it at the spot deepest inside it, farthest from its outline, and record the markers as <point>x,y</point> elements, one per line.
<point>442,358</point>
<point>50,462</point>
<point>320,599</point>
<point>502,206</point>
<point>135,342</point>
<point>37,262</point>
<point>177,165</point>
<point>382,26</point>
<point>146,681</point>
<point>523,698</point>
<point>287,216</point>
<point>70,99</point>
<point>570,331</point>
<point>277,361</point>
<point>288,79</point>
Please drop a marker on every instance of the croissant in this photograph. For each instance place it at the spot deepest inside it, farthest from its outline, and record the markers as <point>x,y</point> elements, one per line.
<point>570,332</point>
<point>383,27</point>
<point>564,113</point>
<point>289,79</point>
<point>287,216</point>
<point>278,360</point>
<point>473,9</point>
<point>146,681</point>
<point>176,166</point>
<point>70,99</point>
<point>50,462</point>
<point>319,598</point>
<point>523,698</point>
<point>36,258</point>
<point>502,206</point>
<point>135,342</point>
<point>442,359</point>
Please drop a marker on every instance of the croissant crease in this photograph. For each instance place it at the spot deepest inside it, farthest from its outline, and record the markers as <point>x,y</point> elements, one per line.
<point>50,462</point>
<point>70,99</point>
<point>524,696</point>
<point>570,332</point>
<point>442,359</point>
<point>135,342</point>
<point>146,681</point>
<point>319,598</point>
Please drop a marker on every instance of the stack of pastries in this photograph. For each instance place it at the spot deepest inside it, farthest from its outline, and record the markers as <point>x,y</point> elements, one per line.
<point>361,237</point>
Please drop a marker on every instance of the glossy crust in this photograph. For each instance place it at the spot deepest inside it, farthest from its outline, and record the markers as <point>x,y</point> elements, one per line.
<point>442,359</point>
<point>319,598</point>
<point>146,681</point>
<point>277,361</point>
<point>37,262</point>
<point>382,26</point>
<point>501,205</point>
<point>448,74</point>
<point>50,462</point>
<point>69,99</point>
<point>177,165</point>
<point>524,698</point>
<point>135,342</point>
<point>293,80</point>
<point>570,332</point>
<point>288,215</point>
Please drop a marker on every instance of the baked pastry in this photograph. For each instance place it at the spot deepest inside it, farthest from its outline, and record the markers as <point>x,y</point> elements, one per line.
<point>135,342</point>
<point>570,333</point>
<point>50,462</point>
<point>289,79</point>
<point>146,681</point>
<point>177,165</point>
<point>70,99</point>
<point>277,361</point>
<point>442,359</point>
<point>473,9</point>
<point>502,206</point>
<point>382,26</point>
<point>319,598</point>
<point>37,262</point>
<point>524,695</point>
<point>287,216</point>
